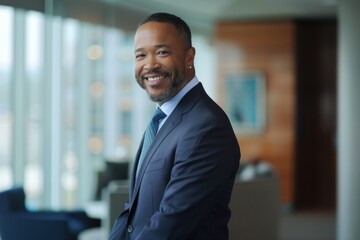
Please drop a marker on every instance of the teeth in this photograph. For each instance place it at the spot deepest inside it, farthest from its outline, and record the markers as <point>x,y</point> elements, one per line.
<point>155,78</point>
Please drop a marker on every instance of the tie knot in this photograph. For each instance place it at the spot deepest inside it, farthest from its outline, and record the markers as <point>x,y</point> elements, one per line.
<point>158,115</point>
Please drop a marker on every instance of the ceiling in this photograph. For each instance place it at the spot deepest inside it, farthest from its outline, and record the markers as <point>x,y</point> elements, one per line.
<point>204,13</point>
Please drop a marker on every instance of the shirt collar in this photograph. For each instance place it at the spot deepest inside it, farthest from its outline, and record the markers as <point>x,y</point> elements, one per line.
<point>168,106</point>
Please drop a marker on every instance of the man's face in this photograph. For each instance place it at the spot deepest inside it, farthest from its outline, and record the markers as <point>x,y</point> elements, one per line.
<point>161,61</point>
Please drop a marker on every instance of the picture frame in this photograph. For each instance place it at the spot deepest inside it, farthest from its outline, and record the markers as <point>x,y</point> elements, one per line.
<point>246,101</point>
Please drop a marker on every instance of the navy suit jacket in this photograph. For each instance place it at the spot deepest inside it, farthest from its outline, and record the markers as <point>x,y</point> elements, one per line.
<point>184,185</point>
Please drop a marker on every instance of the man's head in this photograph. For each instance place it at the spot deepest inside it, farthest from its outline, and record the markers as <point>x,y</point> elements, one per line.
<point>181,26</point>
<point>164,56</point>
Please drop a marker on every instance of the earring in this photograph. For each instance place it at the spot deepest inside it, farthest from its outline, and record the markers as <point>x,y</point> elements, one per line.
<point>190,67</point>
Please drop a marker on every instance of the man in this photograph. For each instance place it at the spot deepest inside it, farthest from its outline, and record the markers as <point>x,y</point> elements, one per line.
<point>181,185</point>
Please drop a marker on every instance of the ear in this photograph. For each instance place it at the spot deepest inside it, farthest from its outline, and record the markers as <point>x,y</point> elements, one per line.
<point>190,56</point>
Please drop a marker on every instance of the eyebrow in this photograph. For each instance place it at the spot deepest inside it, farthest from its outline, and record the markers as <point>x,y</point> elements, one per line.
<point>156,46</point>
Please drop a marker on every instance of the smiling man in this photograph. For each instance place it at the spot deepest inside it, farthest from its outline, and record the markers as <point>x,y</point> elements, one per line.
<point>187,162</point>
<point>163,59</point>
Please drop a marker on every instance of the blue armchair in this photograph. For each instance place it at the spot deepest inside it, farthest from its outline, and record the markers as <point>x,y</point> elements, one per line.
<point>16,222</point>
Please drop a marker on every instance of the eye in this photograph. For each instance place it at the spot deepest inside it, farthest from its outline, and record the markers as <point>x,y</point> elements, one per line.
<point>162,53</point>
<point>139,56</point>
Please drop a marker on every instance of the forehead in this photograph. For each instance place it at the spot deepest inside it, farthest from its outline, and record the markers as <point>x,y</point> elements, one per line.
<point>156,33</point>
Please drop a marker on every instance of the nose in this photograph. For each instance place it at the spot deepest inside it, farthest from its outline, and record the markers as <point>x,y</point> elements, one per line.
<point>151,64</point>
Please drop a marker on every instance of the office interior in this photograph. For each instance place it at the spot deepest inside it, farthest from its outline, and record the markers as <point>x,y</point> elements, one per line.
<point>71,111</point>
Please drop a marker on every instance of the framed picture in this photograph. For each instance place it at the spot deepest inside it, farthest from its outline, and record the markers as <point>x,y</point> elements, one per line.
<point>246,102</point>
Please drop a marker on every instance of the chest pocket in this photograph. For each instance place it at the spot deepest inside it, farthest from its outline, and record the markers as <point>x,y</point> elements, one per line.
<point>156,164</point>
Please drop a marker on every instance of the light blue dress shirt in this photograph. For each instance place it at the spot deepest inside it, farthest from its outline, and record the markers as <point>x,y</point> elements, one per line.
<point>169,106</point>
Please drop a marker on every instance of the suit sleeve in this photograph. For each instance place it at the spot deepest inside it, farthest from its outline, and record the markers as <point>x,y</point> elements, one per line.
<point>206,161</point>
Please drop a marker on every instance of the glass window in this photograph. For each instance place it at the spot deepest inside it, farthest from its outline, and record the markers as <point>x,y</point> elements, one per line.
<point>34,52</point>
<point>70,86</point>
<point>6,117</point>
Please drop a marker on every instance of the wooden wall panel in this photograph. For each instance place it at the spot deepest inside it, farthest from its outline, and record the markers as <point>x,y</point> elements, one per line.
<point>269,48</point>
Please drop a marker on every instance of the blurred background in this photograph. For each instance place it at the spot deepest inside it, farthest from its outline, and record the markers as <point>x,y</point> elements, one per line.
<point>69,104</point>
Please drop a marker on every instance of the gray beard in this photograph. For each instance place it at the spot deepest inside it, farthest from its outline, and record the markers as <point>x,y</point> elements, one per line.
<point>171,91</point>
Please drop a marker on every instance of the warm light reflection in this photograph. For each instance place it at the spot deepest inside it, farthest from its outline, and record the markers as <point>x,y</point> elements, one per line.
<point>97,89</point>
<point>125,104</point>
<point>95,144</point>
<point>95,52</point>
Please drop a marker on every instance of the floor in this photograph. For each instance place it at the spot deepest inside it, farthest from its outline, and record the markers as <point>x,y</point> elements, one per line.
<point>308,226</point>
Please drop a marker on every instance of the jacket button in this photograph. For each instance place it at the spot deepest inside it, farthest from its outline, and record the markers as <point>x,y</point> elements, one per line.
<point>130,228</point>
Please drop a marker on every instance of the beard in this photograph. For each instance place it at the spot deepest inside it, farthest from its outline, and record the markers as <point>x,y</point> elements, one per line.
<point>177,81</point>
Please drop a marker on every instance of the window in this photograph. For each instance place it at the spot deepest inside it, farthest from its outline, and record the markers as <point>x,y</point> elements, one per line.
<point>66,105</point>
<point>6,115</point>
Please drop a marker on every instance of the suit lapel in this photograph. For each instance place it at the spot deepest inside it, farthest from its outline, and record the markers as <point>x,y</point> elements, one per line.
<point>169,125</point>
<point>172,122</point>
<point>133,176</point>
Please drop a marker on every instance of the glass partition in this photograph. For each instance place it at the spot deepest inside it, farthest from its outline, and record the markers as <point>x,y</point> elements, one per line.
<point>6,115</point>
<point>66,105</point>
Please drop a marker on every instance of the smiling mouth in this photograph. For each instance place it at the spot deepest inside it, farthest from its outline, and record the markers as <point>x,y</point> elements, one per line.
<point>157,78</point>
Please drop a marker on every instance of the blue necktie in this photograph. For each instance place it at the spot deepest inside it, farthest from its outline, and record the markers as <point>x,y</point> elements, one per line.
<point>150,133</point>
